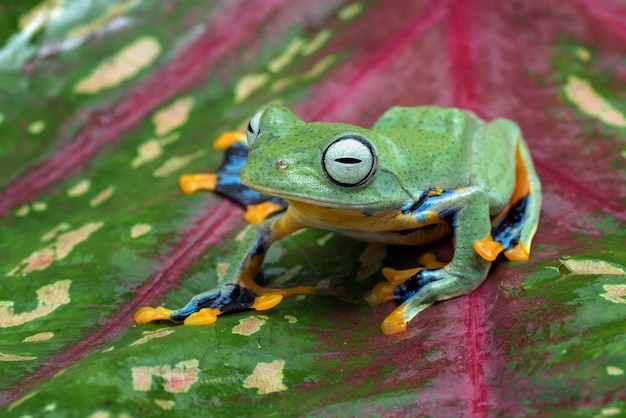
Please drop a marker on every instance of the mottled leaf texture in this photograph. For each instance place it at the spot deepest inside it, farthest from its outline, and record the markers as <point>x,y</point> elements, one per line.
<point>103,104</point>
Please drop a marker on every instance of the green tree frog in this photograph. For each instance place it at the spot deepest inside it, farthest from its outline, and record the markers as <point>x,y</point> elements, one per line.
<point>419,174</point>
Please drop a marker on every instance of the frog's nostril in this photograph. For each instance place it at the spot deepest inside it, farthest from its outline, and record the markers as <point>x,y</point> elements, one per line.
<point>281,164</point>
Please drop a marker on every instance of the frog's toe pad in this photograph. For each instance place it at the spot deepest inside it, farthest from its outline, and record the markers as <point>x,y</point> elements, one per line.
<point>191,183</point>
<point>487,248</point>
<point>395,322</point>
<point>381,293</point>
<point>205,316</point>
<point>258,213</point>
<point>517,253</point>
<point>263,303</point>
<point>227,139</point>
<point>149,314</point>
<point>430,262</point>
<point>397,277</point>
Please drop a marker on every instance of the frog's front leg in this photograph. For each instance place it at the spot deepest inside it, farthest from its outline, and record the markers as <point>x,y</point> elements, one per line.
<point>239,292</point>
<point>467,212</point>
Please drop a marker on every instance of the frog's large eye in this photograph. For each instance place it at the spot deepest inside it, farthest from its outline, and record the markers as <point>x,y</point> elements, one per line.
<point>253,128</point>
<point>349,161</point>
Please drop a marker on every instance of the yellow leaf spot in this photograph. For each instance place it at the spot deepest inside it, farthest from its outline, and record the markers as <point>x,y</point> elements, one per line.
<point>164,404</point>
<point>583,54</point>
<point>589,267</point>
<point>317,42</point>
<point>221,270</point>
<point>37,17</point>
<point>350,11</point>
<point>287,56</point>
<point>100,414</point>
<point>49,298</point>
<point>21,400</point>
<point>102,197</point>
<point>615,293</point>
<point>79,188</point>
<point>323,284</point>
<point>1,118</point>
<point>36,127</point>
<point>139,230</point>
<point>178,379</point>
<point>611,411</point>
<point>248,326</point>
<point>371,260</point>
<point>323,240</point>
<point>248,85</point>
<point>50,407</point>
<point>319,67</point>
<point>120,67</point>
<point>15,357</point>
<point>58,250</point>
<point>114,11</point>
<point>23,211</point>
<point>614,371</point>
<point>173,116</point>
<point>283,278</point>
<point>42,336</point>
<point>150,335</point>
<point>587,100</point>
<point>40,206</point>
<point>241,234</point>
<point>291,319</point>
<point>283,82</point>
<point>176,163</point>
<point>267,378</point>
<point>54,231</point>
<point>152,149</point>
<point>109,349</point>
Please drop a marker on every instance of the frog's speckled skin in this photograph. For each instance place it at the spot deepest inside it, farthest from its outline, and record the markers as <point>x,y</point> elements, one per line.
<point>419,174</point>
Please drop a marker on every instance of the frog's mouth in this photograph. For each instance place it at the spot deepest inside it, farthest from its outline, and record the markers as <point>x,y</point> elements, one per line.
<point>298,197</point>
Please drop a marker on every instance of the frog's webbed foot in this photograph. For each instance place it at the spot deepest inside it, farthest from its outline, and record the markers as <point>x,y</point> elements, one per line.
<point>204,309</point>
<point>226,180</point>
<point>414,294</point>
<point>383,291</point>
<point>416,289</point>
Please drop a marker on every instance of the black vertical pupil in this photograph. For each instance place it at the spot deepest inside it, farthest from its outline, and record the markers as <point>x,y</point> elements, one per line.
<point>250,128</point>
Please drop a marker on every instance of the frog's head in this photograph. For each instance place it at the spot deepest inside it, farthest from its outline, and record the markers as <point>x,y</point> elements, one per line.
<point>326,164</point>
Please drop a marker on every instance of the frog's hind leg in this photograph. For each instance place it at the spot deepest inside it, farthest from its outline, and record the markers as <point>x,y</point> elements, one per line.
<point>513,230</point>
<point>238,290</point>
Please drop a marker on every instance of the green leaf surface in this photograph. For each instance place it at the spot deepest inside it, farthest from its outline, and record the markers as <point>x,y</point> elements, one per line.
<point>103,104</point>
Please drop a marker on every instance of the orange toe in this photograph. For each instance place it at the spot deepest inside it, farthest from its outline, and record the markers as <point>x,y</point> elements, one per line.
<point>381,293</point>
<point>487,248</point>
<point>397,277</point>
<point>191,183</point>
<point>517,253</point>
<point>394,323</point>
<point>204,316</point>
<point>262,303</point>
<point>149,314</point>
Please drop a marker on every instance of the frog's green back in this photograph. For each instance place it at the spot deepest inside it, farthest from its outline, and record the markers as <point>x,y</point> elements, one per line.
<point>430,146</point>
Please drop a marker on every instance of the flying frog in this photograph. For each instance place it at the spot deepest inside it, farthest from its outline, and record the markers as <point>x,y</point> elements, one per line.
<point>419,174</point>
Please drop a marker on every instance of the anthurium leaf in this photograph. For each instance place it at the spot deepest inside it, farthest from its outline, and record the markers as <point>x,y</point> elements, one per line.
<point>103,104</point>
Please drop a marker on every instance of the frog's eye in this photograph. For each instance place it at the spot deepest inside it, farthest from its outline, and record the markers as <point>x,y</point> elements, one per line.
<point>253,128</point>
<point>349,161</point>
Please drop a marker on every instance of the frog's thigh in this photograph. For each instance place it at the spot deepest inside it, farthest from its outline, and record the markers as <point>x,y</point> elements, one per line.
<point>493,161</point>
